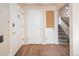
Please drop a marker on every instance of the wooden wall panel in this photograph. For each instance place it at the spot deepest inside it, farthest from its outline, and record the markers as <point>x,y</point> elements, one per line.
<point>50,19</point>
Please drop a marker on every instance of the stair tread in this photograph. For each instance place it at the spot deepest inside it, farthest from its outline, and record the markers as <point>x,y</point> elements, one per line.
<point>63,41</point>
<point>63,36</point>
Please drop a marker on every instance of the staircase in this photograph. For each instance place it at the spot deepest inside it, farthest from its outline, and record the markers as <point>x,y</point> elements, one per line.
<point>66,20</point>
<point>63,38</point>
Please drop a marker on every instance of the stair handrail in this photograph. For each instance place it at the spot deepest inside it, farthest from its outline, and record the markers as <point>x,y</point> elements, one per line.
<point>64,26</point>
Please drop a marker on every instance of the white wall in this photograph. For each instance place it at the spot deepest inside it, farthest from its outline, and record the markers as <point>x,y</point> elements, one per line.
<point>5,28</point>
<point>17,32</point>
<point>74,30</point>
<point>25,27</point>
<point>64,11</point>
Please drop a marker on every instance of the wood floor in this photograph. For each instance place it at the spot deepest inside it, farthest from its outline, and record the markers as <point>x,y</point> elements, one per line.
<point>43,50</point>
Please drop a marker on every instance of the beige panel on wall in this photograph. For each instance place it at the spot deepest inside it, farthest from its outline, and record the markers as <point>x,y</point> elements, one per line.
<point>50,19</point>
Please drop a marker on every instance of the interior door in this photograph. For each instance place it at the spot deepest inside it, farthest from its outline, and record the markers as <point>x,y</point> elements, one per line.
<point>50,27</point>
<point>34,26</point>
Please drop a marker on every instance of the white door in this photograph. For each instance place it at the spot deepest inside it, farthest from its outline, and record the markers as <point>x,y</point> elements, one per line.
<point>34,26</point>
<point>51,33</point>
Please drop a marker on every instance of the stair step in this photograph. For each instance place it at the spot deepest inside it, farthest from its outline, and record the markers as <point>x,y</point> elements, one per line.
<point>60,30</point>
<point>63,36</point>
<point>61,33</point>
<point>63,40</point>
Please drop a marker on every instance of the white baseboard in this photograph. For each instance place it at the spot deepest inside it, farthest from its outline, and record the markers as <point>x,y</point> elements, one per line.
<point>40,43</point>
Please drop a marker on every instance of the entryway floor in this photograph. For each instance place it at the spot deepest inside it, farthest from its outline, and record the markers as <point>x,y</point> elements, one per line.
<point>44,50</point>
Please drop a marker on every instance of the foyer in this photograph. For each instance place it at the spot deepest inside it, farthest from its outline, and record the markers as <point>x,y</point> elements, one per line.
<point>39,29</point>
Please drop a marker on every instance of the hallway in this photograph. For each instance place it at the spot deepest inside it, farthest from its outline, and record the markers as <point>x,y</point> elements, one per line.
<point>44,50</point>
<point>39,29</point>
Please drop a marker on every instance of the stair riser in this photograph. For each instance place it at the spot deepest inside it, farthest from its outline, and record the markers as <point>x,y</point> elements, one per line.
<point>63,38</point>
<point>61,33</point>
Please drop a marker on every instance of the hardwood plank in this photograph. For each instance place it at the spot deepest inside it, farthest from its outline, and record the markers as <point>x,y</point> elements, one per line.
<point>44,50</point>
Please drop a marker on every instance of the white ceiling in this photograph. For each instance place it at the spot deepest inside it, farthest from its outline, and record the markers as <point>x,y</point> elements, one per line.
<point>57,5</point>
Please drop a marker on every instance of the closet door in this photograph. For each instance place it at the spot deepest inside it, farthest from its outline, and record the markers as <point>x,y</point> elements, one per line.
<point>34,26</point>
<point>50,26</point>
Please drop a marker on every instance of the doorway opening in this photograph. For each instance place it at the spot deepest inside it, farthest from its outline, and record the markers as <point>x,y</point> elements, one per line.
<point>63,26</point>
